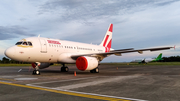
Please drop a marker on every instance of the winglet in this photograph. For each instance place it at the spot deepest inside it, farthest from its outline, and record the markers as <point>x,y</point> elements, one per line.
<point>174,47</point>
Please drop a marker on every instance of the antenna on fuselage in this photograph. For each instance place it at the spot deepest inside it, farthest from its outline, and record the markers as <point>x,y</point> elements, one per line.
<point>39,35</point>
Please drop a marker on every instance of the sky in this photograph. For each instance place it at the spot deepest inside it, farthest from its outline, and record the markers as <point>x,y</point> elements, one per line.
<point>137,24</point>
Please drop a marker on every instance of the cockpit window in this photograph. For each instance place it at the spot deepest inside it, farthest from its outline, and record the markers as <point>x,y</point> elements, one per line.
<point>30,44</point>
<point>24,43</point>
<point>18,43</point>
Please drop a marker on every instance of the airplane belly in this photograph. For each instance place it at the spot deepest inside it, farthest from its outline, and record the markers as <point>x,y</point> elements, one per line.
<point>65,58</point>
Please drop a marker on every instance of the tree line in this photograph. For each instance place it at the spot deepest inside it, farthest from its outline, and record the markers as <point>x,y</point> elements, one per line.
<point>171,59</point>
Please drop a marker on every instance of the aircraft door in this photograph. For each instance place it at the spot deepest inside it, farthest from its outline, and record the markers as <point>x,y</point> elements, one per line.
<point>43,46</point>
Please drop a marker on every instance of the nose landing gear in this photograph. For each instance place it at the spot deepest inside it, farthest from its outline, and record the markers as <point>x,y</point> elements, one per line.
<point>36,72</point>
<point>36,68</point>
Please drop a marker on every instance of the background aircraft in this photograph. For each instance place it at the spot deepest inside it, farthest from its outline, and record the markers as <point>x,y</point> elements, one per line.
<point>146,60</point>
<point>42,52</point>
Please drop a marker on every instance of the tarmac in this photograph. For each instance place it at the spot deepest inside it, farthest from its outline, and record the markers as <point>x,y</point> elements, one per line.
<point>113,82</point>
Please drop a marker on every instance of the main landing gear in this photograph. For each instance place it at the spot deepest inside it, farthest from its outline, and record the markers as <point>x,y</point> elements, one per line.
<point>64,68</point>
<point>96,70</point>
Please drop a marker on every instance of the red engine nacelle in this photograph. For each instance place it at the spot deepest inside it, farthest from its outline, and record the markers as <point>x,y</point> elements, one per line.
<point>86,63</point>
<point>41,65</point>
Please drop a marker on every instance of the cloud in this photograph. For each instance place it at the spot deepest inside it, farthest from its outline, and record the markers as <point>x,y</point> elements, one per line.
<point>137,23</point>
<point>164,2</point>
<point>96,10</point>
<point>9,32</point>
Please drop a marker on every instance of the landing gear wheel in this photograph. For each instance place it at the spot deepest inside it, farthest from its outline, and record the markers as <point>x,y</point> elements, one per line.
<point>96,70</point>
<point>92,71</point>
<point>36,72</point>
<point>64,69</point>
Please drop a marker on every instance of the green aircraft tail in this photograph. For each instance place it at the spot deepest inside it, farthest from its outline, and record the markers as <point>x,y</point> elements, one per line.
<point>159,57</point>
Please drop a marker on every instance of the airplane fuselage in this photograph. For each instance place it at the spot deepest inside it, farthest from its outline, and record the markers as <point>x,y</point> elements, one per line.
<point>50,50</point>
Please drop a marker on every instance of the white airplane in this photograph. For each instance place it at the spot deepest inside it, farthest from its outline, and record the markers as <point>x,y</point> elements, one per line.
<point>42,52</point>
<point>146,60</point>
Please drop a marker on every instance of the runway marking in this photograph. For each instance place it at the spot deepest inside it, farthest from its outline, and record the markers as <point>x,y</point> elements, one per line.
<point>7,79</point>
<point>68,80</point>
<point>26,78</point>
<point>73,93</point>
<point>95,82</point>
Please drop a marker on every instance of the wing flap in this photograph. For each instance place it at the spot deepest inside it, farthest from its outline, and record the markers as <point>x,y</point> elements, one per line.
<point>122,49</point>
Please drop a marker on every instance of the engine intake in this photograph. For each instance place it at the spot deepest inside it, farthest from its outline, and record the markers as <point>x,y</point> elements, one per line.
<point>86,63</point>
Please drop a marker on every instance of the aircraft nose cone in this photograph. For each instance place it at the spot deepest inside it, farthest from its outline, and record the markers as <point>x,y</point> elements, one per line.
<point>10,52</point>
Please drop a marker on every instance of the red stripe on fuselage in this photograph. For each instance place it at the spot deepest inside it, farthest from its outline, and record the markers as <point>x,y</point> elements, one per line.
<point>106,40</point>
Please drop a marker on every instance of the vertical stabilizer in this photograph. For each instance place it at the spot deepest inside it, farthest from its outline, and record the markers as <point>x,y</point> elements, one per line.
<point>160,56</point>
<point>107,38</point>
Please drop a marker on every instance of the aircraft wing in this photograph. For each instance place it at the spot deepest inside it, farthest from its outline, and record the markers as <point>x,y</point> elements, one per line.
<point>119,52</point>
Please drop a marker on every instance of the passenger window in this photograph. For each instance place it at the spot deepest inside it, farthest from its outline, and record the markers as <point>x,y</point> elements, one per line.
<point>30,44</point>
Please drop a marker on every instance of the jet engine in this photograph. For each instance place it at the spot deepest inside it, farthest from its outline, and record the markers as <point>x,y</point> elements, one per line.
<point>86,63</point>
<point>41,65</point>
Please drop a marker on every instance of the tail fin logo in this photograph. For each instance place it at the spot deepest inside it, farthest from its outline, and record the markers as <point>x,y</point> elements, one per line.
<point>107,39</point>
<point>111,27</point>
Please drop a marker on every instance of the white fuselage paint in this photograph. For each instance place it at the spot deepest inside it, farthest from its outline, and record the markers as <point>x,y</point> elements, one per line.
<point>145,60</point>
<point>148,60</point>
<point>50,50</point>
